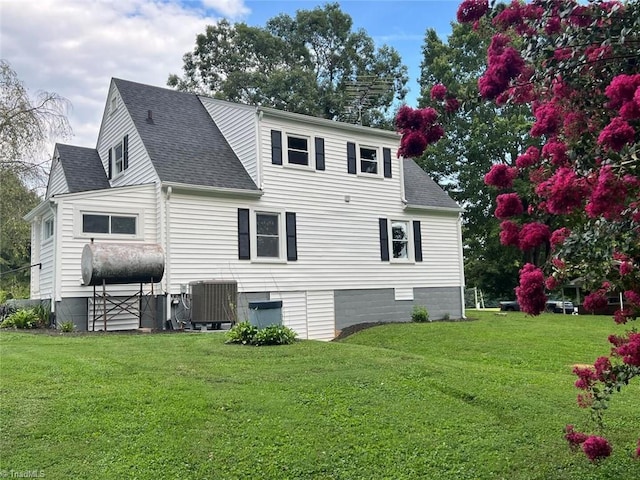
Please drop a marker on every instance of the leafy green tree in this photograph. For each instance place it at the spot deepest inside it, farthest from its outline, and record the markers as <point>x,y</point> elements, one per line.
<point>312,63</point>
<point>477,134</point>
<point>27,126</point>
<point>15,201</point>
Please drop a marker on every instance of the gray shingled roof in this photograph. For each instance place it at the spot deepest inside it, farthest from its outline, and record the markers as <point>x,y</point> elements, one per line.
<point>421,190</point>
<point>82,168</point>
<point>184,143</point>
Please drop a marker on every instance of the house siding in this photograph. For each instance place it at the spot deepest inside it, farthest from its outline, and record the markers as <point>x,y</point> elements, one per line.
<point>238,125</point>
<point>139,200</point>
<point>115,125</point>
<point>338,238</point>
<point>57,181</point>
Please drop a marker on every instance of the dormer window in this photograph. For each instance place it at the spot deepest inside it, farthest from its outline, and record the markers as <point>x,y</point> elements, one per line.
<point>119,158</point>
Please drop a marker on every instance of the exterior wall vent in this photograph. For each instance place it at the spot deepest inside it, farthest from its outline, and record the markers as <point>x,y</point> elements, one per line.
<point>214,302</point>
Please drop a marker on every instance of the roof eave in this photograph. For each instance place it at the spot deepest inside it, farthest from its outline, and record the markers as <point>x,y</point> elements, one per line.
<point>324,122</point>
<point>433,208</point>
<point>231,192</point>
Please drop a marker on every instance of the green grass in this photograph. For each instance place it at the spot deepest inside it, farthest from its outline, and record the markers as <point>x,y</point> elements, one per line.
<point>483,399</point>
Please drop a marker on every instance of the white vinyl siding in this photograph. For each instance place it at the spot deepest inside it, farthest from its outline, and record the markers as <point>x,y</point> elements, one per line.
<point>115,125</point>
<point>238,125</point>
<point>57,181</point>
<point>320,315</point>
<point>139,200</point>
<point>338,241</point>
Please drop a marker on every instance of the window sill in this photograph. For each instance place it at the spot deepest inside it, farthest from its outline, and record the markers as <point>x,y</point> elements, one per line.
<point>374,176</point>
<point>274,261</point>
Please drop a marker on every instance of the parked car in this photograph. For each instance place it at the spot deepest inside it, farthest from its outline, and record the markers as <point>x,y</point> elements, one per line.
<point>510,306</point>
<point>554,306</point>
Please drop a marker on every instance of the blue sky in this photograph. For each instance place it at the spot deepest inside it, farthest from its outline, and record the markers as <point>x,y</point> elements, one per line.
<point>74,47</point>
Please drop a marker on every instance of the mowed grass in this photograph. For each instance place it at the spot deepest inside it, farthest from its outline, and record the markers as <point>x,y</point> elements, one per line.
<point>483,399</point>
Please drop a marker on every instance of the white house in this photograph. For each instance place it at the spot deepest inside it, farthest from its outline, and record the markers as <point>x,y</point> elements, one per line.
<point>319,214</point>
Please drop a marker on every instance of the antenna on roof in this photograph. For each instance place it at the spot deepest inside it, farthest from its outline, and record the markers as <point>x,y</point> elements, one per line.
<point>362,92</point>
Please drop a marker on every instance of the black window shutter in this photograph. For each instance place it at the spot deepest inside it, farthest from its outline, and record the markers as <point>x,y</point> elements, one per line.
<point>109,174</point>
<point>292,244</point>
<point>417,240</point>
<point>125,152</point>
<point>386,156</point>
<point>319,153</point>
<point>276,147</point>
<point>244,239</point>
<point>351,157</point>
<point>384,240</point>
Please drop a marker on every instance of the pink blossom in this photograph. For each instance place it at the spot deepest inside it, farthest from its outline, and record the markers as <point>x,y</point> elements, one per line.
<point>616,135</point>
<point>575,124</point>
<point>622,89</point>
<point>500,176</point>
<point>511,16</point>
<point>626,268</point>
<point>551,283</point>
<point>412,144</point>
<point>508,205</point>
<point>586,377</point>
<point>564,191</point>
<point>509,234</point>
<point>552,26</point>
<point>638,449</point>
<point>504,64</point>
<point>471,10</point>
<point>533,235</point>
<point>452,105</point>
<point>603,368</point>
<point>621,316</point>
<point>548,120</point>
<point>530,292</point>
<point>438,92</point>
<point>630,351</point>
<point>632,297</point>
<point>580,16</point>
<point>608,197</point>
<point>594,302</point>
<point>556,151</point>
<point>574,438</point>
<point>559,236</point>
<point>434,133</point>
<point>596,53</point>
<point>529,158</point>
<point>596,448</point>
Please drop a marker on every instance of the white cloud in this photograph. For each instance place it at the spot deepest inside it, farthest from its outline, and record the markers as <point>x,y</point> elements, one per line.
<point>74,47</point>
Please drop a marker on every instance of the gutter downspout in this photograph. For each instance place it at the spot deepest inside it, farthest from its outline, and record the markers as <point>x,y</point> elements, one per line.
<point>53,204</point>
<point>167,271</point>
<point>461,265</point>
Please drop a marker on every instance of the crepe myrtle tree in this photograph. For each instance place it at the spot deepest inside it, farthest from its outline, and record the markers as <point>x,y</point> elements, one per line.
<point>571,199</point>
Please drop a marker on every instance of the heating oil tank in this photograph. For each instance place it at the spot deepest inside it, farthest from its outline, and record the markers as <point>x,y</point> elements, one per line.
<point>118,263</point>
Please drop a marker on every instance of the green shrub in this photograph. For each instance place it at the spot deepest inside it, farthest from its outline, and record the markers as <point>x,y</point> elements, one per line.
<point>275,335</point>
<point>43,312</point>
<point>23,318</point>
<point>67,326</point>
<point>420,314</point>
<point>243,333</point>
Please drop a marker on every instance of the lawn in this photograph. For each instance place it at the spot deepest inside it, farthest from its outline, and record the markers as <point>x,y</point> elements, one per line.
<point>483,399</point>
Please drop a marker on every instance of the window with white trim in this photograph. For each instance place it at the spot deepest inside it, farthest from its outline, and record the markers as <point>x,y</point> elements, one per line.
<point>109,224</point>
<point>118,159</point>
<point>114,103</point>
<point>47,229</point>
<point>368,160</point>
<point>400,240</point>
<point>298,151</point>
<point>268,235</point>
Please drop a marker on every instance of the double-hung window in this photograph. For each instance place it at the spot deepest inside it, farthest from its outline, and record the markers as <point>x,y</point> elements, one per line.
<point>368,160</point>
<point>47,229</point>
<point>119,157</point>
<point>297,150</point>
<point>400,240</point>
<point>267,235</point>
